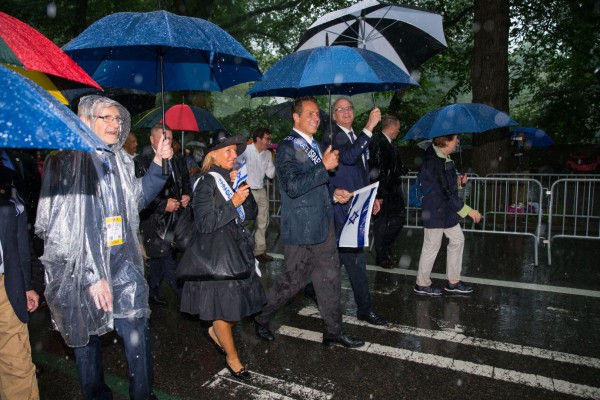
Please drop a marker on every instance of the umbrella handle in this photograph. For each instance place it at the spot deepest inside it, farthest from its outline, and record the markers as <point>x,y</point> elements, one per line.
<point>165,161</point>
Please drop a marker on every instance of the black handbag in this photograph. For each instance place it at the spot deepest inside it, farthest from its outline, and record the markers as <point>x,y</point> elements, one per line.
<point>182,229</point>
<point>220,255</point>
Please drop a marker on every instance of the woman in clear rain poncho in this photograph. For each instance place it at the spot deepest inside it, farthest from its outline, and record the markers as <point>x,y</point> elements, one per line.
<point>88,219</point>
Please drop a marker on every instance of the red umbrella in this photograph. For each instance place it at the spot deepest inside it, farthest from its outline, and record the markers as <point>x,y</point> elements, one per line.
<point>23,46</point>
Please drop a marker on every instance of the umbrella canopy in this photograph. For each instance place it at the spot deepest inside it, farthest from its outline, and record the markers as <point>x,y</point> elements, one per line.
<point>535,137</point>
<point>62,89</point>
<point>30,118</point>
<point>145,51</point>
<point>458,118</point>
<point>284,111</point>
<point>32,54</point>
<point>181,117</point>
<point>331,70</point>
<point>408,36</point>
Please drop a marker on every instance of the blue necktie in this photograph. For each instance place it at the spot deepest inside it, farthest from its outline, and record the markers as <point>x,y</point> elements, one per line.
<point>315,146</point>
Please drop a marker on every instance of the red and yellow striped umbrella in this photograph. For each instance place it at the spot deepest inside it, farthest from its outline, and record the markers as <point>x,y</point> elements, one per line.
<point>24,47</point>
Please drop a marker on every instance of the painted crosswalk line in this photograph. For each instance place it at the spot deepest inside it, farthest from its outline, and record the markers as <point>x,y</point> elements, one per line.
<point>486,371</point>
<point>266,387</point>
<point>457,337</point>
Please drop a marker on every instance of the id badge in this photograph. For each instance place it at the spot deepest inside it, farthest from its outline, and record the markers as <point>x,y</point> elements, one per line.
<point>114,231</point>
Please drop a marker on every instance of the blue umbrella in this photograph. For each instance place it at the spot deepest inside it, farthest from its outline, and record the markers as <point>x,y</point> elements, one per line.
<point>159,51</point>
<point>458,118</point>
<point>331,70</point>
<point>136,50</point>
<point>31,118</point>
<point>535,137</point>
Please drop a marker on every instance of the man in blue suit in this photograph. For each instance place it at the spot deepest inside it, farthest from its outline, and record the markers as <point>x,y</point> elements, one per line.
<point>307,226</point>
<point>17,297</point>
<point>353,174</point>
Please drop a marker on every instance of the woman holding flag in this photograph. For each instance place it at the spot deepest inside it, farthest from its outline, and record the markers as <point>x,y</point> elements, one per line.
<point>221,203</point>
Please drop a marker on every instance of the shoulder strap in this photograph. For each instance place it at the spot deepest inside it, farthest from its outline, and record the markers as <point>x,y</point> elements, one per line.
<point>227,192</point>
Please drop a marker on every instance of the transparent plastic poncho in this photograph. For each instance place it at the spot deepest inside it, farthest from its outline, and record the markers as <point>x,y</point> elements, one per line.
<point>80,190</point>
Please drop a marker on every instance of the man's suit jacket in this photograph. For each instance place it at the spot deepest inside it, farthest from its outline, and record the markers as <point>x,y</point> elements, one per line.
<point>16,256</point>
<point>387,168</point>
<point>306,205</point>
<point>351,173</point>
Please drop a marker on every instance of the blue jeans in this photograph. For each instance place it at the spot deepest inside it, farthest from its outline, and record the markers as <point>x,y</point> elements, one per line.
<point>138,351</point>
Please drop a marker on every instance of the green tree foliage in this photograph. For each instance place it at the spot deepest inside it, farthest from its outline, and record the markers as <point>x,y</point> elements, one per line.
<point>553,52</point>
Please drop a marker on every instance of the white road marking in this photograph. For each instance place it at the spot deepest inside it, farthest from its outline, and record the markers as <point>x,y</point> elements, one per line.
<point>483,281</point>
<point>267,387</point>
<point>457,337</point>
<point>487,371</point>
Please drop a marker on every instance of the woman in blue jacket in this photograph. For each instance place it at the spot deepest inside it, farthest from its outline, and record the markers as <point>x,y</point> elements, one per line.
<point>440,212</point>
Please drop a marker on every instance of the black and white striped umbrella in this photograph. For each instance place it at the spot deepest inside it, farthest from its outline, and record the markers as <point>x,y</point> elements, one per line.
<point>406,35</point>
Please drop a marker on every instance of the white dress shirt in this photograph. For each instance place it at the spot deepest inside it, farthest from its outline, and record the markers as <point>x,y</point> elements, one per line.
<point>258,165</point>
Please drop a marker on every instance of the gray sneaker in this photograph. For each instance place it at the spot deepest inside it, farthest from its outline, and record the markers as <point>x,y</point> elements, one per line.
<point>428,290</point>
<point>458,287</point>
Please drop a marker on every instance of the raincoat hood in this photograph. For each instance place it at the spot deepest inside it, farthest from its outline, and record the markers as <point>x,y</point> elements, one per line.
<point>93,105</point>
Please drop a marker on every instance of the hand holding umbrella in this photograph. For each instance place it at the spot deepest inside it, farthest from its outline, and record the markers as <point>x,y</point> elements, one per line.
<point>164,152</point>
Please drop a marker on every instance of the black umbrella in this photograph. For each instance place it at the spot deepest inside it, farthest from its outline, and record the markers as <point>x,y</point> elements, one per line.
<point>406,35</point>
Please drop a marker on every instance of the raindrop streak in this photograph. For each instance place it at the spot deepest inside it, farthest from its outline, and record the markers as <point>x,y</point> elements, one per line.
<point>51,10</point>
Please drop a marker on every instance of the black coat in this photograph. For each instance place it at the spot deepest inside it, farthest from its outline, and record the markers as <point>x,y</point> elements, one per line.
<point>439,184</point>
<point>15,246</point>
<point>387,168</point>
<point>28,181</point>
<point>156,224</point>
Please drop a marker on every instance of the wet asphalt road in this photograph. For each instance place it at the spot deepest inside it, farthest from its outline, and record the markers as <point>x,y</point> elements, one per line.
<point>526,332</point>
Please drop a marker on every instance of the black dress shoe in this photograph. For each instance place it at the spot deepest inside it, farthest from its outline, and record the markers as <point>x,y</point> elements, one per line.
<point>242,375</point>
<point>155,299</point>
<point>309,293</point>
<point>264,258</point>
<point>373,318</point>
<point>263,332</point>
<point>343,340</point>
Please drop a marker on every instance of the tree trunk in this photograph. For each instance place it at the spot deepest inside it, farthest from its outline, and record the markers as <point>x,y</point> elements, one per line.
<point>489,77</point>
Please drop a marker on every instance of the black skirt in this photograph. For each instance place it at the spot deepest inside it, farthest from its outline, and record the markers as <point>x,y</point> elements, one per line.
<point>229,300</point>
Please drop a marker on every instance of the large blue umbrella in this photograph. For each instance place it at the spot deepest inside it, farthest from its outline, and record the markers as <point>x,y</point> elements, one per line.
<point>458,118</point>
<point>159,51</point>
<point>31,118</point>
<point>331,70</point>
<point>535,137</point>
<point>136,50</point>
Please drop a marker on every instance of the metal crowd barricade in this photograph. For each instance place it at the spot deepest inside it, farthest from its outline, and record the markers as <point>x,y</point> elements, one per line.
<point>574,210</point>
<point>495,199</point>
<point>273,197</point>
<point>546,180</point>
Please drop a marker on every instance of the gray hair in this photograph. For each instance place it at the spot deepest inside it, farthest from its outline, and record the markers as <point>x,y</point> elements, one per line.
<point>91,106</point>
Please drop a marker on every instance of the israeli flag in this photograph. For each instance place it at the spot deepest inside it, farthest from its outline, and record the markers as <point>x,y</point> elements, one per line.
<point>355,232</point>
<point>241,176</point>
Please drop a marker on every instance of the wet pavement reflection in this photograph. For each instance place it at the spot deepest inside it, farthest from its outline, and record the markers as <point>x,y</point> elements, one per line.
<point>526,332</point>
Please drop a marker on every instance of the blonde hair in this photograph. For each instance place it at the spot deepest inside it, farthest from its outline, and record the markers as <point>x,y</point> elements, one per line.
<point>208,162</point>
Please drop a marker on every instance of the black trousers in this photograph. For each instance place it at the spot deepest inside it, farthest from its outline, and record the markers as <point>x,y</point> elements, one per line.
<point>387,224</point>
<point>354,260</point>
<point>321,263</point>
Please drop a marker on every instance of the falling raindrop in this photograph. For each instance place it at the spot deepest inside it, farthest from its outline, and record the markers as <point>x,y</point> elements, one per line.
<point>51,10</point>
<point>404,261</point>
<point>138,79</point>
<point>476,27</point>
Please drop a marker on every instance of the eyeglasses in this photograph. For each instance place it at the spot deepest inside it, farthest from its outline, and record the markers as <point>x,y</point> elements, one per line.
<point>342,109</point>
<point>109,118</point>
